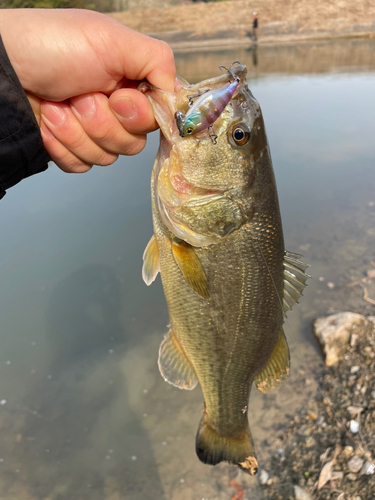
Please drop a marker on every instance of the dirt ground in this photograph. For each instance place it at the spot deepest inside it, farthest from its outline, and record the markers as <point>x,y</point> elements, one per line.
<point>328,449</point>
<point>236,15</point>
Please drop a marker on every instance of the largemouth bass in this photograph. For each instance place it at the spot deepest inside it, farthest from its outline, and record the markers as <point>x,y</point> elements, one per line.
<point>218,244</point>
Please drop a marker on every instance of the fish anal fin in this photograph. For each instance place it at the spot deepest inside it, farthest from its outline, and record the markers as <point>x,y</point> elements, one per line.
<point>294,279</point>
<point>191,267</point>
<point>277,367</point>
<point>212,448</point>
<point>174,366</point>
<point>151,261</point>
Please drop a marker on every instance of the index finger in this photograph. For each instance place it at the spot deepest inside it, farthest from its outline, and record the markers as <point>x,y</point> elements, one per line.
<point>149,58</point>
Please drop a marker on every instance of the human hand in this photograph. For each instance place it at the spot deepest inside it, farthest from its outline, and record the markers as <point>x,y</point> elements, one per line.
<point>80,71</point>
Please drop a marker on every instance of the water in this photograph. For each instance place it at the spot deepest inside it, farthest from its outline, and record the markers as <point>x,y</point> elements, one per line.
<point>86,413</point>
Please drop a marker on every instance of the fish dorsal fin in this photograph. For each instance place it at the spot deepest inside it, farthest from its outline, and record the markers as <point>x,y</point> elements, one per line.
<point>174,365</point>
<point>294,279</point>
<point>151,261</point>
<point>191,267</point>
<point>277,367</point>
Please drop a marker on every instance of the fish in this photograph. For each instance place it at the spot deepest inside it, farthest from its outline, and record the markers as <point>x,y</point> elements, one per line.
<point>207,108</point>
<point>228,281</point>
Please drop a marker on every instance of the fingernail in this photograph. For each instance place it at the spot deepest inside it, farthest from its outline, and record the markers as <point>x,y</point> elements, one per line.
<point>84,105</point>
<point>55,114</point>
<point>46,133</point>
<point>125,108</point>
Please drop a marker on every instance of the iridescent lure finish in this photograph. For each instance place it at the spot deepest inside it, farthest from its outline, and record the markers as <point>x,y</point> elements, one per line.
<point>207,108</point>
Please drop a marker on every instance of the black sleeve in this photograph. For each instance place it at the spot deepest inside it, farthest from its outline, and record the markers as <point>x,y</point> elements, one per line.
<point>21,147</point>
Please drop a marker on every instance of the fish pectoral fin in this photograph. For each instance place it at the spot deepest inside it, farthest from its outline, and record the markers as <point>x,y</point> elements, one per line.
<point>294,279</point>
<point>174,366</point>
<point>151,261</point>
<point>277,367</point>
<point>191,267</point>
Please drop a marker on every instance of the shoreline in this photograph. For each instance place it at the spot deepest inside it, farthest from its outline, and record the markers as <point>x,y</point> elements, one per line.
<point>228,23</point>
<point>179,40</point>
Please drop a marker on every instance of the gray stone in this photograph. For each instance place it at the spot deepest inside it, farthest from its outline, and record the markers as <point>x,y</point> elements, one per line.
<point>355,464</point>
<point>333,333</point>
<point>352,477</point>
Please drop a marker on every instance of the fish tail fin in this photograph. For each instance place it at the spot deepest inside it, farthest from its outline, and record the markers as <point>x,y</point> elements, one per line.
<point>213,448</point>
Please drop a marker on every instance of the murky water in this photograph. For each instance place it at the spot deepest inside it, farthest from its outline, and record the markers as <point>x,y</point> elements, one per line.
<point>84,413</point>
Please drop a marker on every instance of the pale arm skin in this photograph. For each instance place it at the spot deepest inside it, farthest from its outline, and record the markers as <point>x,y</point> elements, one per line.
<point>75,66</point>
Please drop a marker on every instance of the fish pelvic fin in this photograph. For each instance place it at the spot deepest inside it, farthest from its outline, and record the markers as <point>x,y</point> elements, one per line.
<point>151,261</point>
<point>212,448</point>
<point>277,367</point>
<point>294,279</point>
<point>190,267</point>
<point>174,366</point>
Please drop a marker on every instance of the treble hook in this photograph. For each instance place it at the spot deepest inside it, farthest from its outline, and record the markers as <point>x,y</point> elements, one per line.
<point>235,78</point>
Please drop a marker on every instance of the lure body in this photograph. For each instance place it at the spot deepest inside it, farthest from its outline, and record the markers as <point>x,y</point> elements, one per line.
<point>206,110</point>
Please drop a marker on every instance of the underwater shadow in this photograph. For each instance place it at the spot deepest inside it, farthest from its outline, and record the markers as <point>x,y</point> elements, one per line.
<point>84,434</point>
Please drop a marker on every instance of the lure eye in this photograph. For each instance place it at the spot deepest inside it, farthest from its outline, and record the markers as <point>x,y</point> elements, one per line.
<point>189,130</point>
<point>240,135</point>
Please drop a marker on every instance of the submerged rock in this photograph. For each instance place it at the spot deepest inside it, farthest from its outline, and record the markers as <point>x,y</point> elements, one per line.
<point>334,332</point>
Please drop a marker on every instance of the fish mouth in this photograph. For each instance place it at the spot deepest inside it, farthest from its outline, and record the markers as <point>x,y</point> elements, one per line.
<point>163,104</point>
<point>172,189</point>
<point>170,121</point>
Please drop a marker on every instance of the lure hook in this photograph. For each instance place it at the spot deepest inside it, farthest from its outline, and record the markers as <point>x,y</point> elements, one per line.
<point>235,78</point>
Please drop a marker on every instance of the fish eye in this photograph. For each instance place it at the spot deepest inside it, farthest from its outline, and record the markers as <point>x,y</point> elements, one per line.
<point>240,135</point>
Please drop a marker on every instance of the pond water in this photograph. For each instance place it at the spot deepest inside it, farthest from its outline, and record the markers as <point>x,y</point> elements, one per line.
<point>84,413</point>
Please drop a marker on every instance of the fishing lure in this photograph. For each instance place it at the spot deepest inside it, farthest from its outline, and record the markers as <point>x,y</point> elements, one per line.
<point>207,108</point>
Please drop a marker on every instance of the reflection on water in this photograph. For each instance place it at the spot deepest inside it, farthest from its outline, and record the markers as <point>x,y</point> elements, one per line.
<point>86,413</point>
<point>289,59</point>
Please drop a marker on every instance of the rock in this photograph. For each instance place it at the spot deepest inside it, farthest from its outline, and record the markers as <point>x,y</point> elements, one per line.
<point>351,477</point>
<point>368,468</point>
<point>354,426</point>
<point>301,494</point>
<point>354,339</point>
<point>263,477</point>
<point>355,369</point>
<point>355,464</point>
<point>348,451</point>
<point>354,410</point>
<point>333,333</point>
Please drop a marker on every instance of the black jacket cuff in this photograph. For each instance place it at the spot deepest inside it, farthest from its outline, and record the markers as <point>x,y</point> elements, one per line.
<point>21,147</point>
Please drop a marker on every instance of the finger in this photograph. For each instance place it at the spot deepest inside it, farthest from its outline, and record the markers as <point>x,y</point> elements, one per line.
<point>105,129</point>
<point>148,58</point>
<point>133,110</point>
<point>65,127</point>
<point>60,155</point>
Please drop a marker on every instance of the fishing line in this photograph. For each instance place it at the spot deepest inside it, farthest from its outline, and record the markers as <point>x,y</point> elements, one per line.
<point>315,377</point>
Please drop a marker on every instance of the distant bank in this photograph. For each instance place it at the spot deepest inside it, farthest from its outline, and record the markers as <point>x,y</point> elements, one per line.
<point>227,24</point>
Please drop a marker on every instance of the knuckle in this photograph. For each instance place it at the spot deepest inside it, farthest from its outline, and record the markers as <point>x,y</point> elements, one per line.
<point>166,53</point>
<point>106,159</point>
<point>136,146</point>
<point>102,135</point>
<point>73,165</point>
